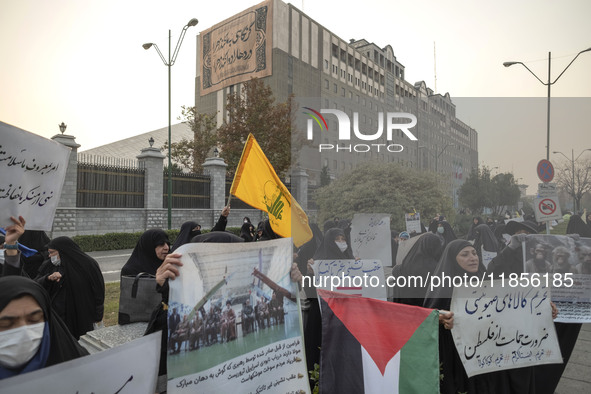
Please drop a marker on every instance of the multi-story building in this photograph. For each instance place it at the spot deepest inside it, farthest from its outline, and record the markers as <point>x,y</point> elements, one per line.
<point>296,55</point>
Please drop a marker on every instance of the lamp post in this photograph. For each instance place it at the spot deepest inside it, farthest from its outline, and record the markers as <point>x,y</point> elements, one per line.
<point>572,161</point>
<point>169,64</point>
<point>436,157</point>
<point>549,84</point>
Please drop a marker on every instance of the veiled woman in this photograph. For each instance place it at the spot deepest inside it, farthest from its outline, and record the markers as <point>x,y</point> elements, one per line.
<point>421,260</point>
<point>334,247</point>
<point>25,312</point>
<point>484,239</point>
<point>188,230</point>
<point>75,284</point>
<point>458,258</point>
<point>148,254</point>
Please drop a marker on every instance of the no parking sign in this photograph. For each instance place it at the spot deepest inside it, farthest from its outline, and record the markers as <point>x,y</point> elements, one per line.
<point>545,170</point>
<point>547,208</point>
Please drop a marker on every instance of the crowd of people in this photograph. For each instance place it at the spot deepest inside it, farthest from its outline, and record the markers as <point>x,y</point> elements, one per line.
<point>54,293</point>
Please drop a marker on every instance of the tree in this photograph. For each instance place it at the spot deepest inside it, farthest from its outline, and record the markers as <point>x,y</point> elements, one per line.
<point>383,188</point>
<point>505,191</point>
<point>253,110</point>
<point>475,193</point>
<point>481,191</point>
<point>578,185</point>
<point>191,154</point>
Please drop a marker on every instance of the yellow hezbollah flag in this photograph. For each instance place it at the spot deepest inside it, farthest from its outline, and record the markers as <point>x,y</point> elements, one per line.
<point>257,184</point>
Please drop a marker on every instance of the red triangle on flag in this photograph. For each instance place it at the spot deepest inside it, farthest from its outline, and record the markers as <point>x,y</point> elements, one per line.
<point>381,327</point>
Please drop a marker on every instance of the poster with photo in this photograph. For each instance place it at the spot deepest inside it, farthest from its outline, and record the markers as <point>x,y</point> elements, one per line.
<point>565,264</point>
<point>234,321</point>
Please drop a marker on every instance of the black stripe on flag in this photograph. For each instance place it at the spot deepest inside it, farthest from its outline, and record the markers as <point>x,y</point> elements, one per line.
<point>341,365</point>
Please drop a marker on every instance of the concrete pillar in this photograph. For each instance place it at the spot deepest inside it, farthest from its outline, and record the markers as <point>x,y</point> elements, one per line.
<point>299,186</point>
<point>152,160</point>
<point>68,196</point>
<point>215,167</point>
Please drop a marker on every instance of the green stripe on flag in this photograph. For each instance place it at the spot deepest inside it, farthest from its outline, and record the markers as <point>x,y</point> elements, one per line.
<point>419,359</point>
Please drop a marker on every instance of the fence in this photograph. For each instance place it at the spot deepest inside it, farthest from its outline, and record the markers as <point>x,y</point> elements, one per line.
<point>105,182</point>
<point>188,190</point>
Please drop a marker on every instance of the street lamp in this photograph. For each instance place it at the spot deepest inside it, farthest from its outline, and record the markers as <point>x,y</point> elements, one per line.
<point>169,64</point>
<point>509,64</point>
<point>572,161</point>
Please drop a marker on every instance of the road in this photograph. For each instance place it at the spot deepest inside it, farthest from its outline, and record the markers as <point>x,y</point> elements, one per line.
<point>111,262</point>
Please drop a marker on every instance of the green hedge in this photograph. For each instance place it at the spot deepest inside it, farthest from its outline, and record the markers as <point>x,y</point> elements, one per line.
<point>116,241</point>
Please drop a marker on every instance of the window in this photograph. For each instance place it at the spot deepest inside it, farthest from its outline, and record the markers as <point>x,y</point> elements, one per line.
<point>336,88</point>
<point>326,84</point>
<point>326,64</point>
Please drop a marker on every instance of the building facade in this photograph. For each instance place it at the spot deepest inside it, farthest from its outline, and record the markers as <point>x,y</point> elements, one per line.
<point>296,55</point>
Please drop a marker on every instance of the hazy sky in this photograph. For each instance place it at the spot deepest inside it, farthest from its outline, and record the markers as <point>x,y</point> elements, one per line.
<point>81,62</point>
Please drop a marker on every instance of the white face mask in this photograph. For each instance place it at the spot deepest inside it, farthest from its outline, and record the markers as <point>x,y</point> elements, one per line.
<point>440,230</point>
<point>341,245</point>
<point>55,260</point>
<point>19,345</point>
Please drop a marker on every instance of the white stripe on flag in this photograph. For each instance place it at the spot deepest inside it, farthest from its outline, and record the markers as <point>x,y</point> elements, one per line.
<point>372,377</point>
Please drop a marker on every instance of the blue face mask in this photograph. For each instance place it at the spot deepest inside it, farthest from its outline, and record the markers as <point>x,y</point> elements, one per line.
<point>440,230</point>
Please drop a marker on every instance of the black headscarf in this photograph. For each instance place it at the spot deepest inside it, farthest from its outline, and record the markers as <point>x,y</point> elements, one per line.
<point>84,286</point>
<point>485,238</point>
<point>421,259</point>
<point>440,297</point>
<point>268,233</point>
<point>328,249</point>
<point>577,226</point>
<point>448,232</point>
<point>143,258</point>
<point>37,240</point>
<point>63,347</point>
<point>185,235</point>
<point>471,233</point>
<point>217,237</point>
<point>246,232</point>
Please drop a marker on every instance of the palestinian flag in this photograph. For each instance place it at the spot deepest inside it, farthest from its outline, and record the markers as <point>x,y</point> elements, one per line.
<point>373,346</point>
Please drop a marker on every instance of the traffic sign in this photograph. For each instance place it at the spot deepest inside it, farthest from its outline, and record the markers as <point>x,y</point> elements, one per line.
<point>545,171</point>
<point>547,208</point>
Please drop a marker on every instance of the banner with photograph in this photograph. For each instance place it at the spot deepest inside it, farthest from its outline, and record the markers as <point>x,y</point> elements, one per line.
<point>371,238</point>
<point>237,49</point>
<point>33,171</point>
<point>564,263</point>
<point>129,368</point>
<point>503,327</point>
<point>363,278</point>
<point>413,222</point>
<point>234,320</point>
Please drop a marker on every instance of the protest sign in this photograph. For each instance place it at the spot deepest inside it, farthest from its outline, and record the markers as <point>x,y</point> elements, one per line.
<point>565,265</point>
<point>33,171</point>
<point>500,327</point>
<point>413,222</point>
<point>354,277</point>
<point>129,368</point>
<point>239,325</point>
<point>371,237</point>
